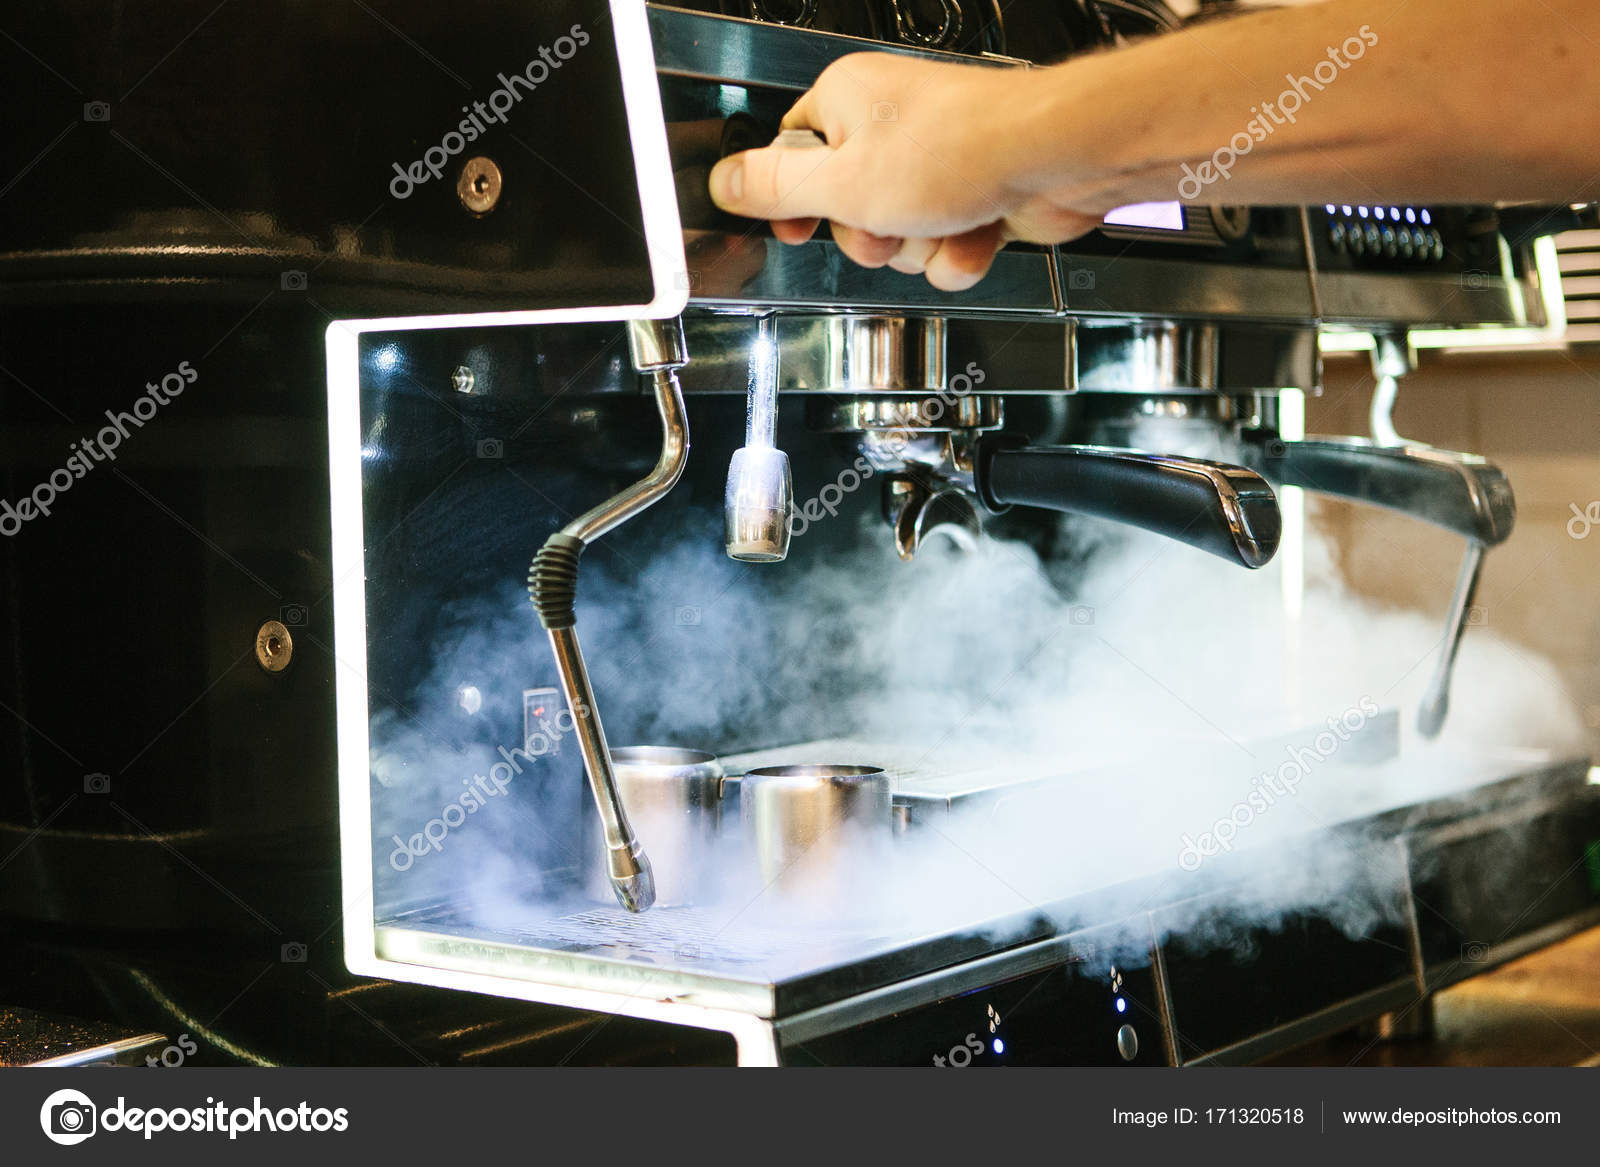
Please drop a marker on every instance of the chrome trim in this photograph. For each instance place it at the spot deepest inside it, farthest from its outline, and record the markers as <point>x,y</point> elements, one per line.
<point>737,51</point>
<point>750,272</point>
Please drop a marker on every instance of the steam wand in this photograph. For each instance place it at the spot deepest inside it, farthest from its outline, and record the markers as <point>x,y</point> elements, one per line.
<point>1393,358</point>
<point>657,348</point>
<point>760,492</point>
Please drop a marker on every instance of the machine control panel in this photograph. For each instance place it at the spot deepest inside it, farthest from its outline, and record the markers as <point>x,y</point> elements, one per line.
<point>1377,233</point>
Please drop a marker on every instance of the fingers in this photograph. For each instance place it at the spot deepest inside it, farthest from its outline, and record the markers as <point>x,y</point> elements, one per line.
<point>804,114</point>
<point>914,255</point>
<point>865,248</point>
<point>776,183</point>
<point>795,230</point>
<point>962,260</point>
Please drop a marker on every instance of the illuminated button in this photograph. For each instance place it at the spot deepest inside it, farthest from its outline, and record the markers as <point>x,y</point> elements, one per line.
<point>1411,214</point>
<point>1427,217</point>
<point>1128,1043</point>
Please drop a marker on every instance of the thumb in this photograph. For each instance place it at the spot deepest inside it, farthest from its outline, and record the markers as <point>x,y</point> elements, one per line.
<point>777,183</point>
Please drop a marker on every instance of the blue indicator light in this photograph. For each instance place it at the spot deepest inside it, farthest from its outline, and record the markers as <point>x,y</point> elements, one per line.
<point>1378,211</point>
<point>999,1046</point>
<point>1427,218</point>
<point>1329,208</point>
<point>1122,1006</point>
<point>1348,209</point>
<point>1411,215</point>
<point>1362,211</point>
<point>1394,213</point>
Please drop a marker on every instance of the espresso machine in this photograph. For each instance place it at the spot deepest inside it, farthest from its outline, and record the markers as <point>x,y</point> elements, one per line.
<point>583,430</point>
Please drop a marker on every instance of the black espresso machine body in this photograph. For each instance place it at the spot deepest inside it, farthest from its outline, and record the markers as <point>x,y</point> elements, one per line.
<point>203,193</point>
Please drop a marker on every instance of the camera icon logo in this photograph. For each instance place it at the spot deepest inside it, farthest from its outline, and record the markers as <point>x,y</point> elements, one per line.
<point>293,615</point>
<point>885,111</point>
<point>68,1117</point>
<point>292,953</point>
<point>1080,280</point>
<point>1477,952</point>
<point>491,448</point>
<point>97,111</point>
<point>97,783</point>
<point>686,281</point>
<point>293,281</point>
<point>1081,615</point>
<point>1474,281</point>
<point>1477,616</point>
<point>686,617</point>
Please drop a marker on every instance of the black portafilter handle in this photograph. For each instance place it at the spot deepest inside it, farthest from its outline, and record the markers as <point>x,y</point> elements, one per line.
<point>1226,510</point>
<point>1461,493</point>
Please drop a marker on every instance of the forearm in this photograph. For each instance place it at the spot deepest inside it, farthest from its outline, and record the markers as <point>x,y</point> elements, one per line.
<point>1457,101</point>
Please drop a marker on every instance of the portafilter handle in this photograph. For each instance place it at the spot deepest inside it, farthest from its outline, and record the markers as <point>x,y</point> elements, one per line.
<point>1462,493</point>
<point>1226,510</point>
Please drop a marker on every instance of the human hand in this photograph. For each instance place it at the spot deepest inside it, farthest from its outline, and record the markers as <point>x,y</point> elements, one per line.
<point>929,168</point>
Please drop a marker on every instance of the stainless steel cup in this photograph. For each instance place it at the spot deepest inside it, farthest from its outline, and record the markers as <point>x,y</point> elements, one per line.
<point>815,828</point>
<point>673,799</point>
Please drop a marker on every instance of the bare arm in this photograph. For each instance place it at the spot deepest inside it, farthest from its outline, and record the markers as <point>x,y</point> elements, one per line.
<point>933,167</point>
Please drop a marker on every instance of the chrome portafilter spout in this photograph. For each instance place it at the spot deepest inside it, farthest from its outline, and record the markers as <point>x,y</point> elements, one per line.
<point>760,492</point>
<point>657,349</point>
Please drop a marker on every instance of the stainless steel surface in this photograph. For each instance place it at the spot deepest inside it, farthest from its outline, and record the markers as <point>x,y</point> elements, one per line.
<point>759,499</point>
<point>1435,704</point>
<point>815,827</point>
<point>1149,357</point>
<point>744,272</point>
<point>885,354</point>
<point>1127,285</point>
<point>828,976</point>
<point>1364,299</point>
<point>627,865</point>
<point>918,512</point>
<point>657,347</point>
<point>758,505</point>
<point>1164,357</point>
<point>1380,416</point>
<point>981,354</point>
<point>673,797</point>
<point>938,413</point>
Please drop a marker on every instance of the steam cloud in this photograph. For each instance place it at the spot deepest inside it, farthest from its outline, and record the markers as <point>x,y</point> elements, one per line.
<point>1146,681</point>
